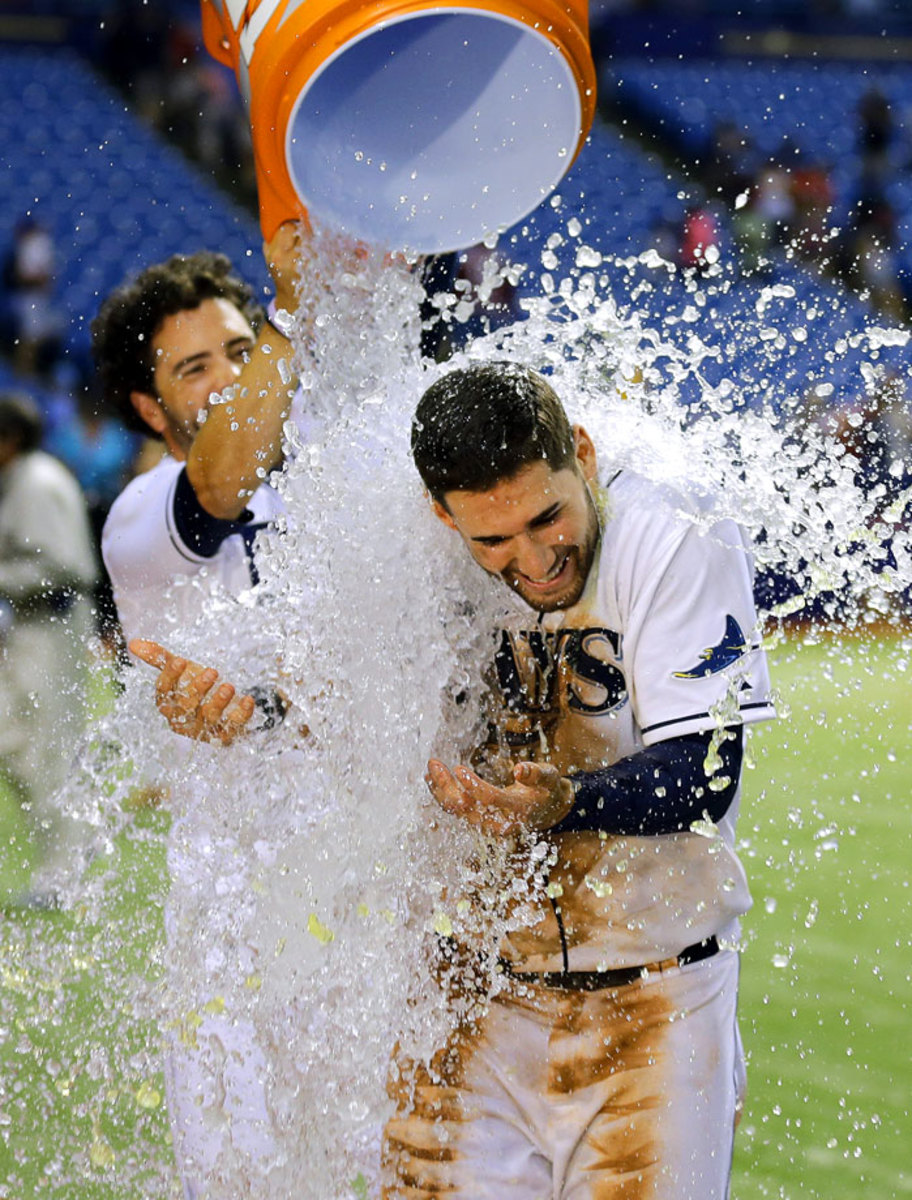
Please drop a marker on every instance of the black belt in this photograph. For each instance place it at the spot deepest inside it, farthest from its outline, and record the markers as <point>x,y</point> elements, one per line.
<point>593,981</point>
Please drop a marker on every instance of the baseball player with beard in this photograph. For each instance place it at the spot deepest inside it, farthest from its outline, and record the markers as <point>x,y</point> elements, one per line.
<point>167,344</point>
<point>609,1064</point>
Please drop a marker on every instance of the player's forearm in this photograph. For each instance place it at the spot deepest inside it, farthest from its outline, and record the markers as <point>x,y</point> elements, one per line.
<point>242,438</point>
<point>662,789</point>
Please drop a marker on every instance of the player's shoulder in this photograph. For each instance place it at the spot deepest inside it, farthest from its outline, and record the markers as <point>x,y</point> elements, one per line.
<point>142,490</point>
<point>636,505</point>
<point>637,508</point>
<point>141,506</point>
<point>646,522</point>
<point>638,495</point>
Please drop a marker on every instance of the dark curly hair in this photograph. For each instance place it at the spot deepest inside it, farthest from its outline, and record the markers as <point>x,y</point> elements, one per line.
<point>132,315</point>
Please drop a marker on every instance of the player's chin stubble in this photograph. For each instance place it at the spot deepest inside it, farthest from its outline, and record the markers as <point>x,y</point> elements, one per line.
<point>566,597</point>
<point>580,560</point>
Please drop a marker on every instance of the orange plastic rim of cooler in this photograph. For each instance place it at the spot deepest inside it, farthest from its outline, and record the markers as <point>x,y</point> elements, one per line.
<point>406,124</point>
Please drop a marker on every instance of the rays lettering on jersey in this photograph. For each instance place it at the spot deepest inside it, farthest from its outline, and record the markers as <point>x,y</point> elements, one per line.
<point>540,671</point>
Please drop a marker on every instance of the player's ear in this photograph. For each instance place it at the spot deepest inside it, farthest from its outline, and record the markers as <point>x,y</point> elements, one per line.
<point>585,454</point>
<point>149,410</point>
<point>441,512</point>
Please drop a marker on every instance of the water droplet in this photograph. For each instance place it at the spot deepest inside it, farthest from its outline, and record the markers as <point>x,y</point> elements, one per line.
<point>101,1153</point>
<point>598,887</point>
<point>316,927</point>
<point>148,1096</point>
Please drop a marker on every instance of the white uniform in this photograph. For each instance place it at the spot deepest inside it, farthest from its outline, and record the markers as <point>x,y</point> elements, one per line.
<point>160,582</point>
<point>215,1072</point>
<point>47,570</point>
<point>630,1089</point>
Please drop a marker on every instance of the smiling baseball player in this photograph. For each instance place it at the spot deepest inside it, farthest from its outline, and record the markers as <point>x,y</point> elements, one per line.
<point>167,344</point>
<point>609,1065</point>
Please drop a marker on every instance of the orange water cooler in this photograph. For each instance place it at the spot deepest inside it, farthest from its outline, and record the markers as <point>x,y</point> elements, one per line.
<point>405,123</point>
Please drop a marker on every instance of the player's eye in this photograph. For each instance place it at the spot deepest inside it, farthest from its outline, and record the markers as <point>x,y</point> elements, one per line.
<point>546,518</point>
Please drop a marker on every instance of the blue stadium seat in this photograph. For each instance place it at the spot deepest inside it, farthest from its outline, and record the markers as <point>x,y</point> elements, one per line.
<point>117,198</point>
<point>105,186</point>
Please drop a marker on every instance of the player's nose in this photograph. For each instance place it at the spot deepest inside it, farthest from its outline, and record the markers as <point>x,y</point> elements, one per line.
<point>228,371</point>
<point>534,559</point>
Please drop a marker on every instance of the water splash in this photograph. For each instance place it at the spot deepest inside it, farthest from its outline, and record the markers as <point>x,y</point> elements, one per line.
<point>378,627</point>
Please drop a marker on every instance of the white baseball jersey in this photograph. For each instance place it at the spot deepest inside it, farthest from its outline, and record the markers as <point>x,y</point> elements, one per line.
<point>159,581</point>
<point>216,1081</point>
<point>663,642</point>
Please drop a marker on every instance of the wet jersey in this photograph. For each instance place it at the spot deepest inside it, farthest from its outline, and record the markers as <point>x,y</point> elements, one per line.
<point>663,642</point>
<point>156,576</point>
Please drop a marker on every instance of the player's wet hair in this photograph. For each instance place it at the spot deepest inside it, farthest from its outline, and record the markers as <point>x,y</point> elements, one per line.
<point>20,421</point>
<point>479,425</point>
<point>132,315</point>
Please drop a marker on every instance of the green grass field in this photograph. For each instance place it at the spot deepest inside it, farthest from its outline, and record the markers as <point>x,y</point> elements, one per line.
<point>826,1001</point>
<point>825,825</point>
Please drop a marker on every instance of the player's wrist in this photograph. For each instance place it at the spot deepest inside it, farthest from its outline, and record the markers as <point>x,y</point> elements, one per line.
<point>271,706</point>
<point>566,798</point>
<point>559,804</point>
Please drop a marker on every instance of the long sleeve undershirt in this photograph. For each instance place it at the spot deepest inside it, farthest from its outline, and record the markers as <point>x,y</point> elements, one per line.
<point>661,789</point>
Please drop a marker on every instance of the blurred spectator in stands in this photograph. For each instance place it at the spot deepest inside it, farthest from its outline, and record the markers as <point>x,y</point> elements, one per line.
<point>867,259</point>
<point>753,234</point>
<point>437,281</point>
<point>100,452</point>
<point>732,162</point>
<point>665,235</point>
<point>156,60</point>
<point>36,324</point>
<point>202,111</point>
<point>97,448</point>
<point>134,51</point>
<point>813,195</point>
<point>775,202</point>
<point>699,243</point>
<point>877,269</point>
<point>484,280</point>
<point>47,571</point>
<point>877,433</point>
<point>875,131</point>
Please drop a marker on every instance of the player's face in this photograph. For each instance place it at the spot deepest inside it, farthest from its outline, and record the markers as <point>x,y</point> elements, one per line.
<point>198,352</point>
<point>538,530</point>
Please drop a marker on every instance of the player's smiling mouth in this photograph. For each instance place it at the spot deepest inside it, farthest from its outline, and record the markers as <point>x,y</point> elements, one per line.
<point>553,576</point>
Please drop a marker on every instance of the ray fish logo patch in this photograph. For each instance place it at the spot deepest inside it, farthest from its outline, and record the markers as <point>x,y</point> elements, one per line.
<point>717,658</point>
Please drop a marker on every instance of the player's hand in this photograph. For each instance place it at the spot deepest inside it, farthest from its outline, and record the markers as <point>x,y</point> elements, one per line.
<point>190,698</point>
<point>282,253</point>
<point>538,797</point>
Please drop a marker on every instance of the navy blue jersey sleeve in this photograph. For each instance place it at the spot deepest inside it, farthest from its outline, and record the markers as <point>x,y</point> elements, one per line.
<point>661,789</point>
<point>199,530</point>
